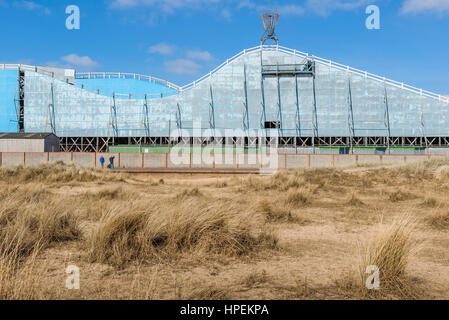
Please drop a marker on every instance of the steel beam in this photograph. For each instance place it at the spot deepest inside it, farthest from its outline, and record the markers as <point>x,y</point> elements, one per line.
<point>146,119</point>
<point>350,116</point>
<point>314,115</point>
<point>114,116</point>
<point>387,118</point>
<point>51,109</point>
<point>245,103</point>
<point>279,105</point>
<point>211,110</point>
<point>298,116</point>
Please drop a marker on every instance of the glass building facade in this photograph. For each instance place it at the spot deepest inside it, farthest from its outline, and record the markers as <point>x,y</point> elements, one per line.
<point>302,99</point>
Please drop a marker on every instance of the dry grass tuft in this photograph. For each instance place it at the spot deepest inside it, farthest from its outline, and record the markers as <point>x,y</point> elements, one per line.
<point>275,214</point>
<point>30,221</point>
<point>439,220</point>
<point>110,194</point>
<point>390,251</point>
<point>255,278</point>
<point>442,172</point>
<point>165,230</point>
<point>400,195</point>
<point>298,198</point>
<point>56,173</point>
<point>355,202</point>
<point>120,237</point>
<point>430,202</point>
<point>19,281</point>
<point>280,181</point>
<point>253,183</point>
<point>154,183</point>
<point>28,193</point>
<point>285,180</point>
<point>186,193</point>
<point>23,225</point>
<point>416,171</point>
<point>221,184</point>
<point>209,293</point>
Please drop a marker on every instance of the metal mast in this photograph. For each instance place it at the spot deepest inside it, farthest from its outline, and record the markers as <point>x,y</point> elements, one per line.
<point>270,20</point>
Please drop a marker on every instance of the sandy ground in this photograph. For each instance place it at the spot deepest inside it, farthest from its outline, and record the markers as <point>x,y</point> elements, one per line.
<point>314,254</point>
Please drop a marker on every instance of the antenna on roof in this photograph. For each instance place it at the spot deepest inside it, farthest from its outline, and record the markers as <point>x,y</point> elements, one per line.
<point>270,20</point>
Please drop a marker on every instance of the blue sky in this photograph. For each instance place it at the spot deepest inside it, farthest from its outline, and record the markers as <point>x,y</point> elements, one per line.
<point>181,40</point>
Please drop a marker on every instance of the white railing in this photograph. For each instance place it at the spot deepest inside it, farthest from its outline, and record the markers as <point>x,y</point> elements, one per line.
<point>119,75</point>
<point>330,63</point>
<point>220,67</point>
<point>336,65</point>
<point>5,66</point>
<point>368,75</point>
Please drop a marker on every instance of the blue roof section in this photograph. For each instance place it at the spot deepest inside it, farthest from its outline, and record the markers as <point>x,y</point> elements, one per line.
<point>8,88</point>
<point>126,86</point>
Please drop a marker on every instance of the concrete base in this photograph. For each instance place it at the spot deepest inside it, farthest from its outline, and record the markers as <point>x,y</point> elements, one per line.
<point>209,162</point>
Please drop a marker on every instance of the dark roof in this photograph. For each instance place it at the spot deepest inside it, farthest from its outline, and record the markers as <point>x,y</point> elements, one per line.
<point>31,136</point>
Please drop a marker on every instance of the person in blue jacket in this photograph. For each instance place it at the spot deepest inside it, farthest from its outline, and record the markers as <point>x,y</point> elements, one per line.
<point>102,162</point>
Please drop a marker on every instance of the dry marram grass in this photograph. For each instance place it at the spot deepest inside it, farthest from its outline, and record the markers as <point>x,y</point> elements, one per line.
<point>145,231</point>
<point>390,250</point>
<point>291,235</point>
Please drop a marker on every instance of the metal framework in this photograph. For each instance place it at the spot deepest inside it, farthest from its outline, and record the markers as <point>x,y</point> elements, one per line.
<point>245,102</point>
<point>114,116</point>
<point>101,144</point>
<point>387,118</point>
<point>146,117</point>
<point>298,113</point>
<point>51,110</point>
<point>270,20</point>
<point>350,116</point>
<point>296,96</point>
<point>19,101</point>
<point>211,110</point>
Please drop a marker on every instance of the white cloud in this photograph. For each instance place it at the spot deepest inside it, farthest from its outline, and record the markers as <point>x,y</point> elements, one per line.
<point>247,4</point>
<point>326,7</point>
<point>162,48</point>
<point>225,8</point>
<point>124,3</point>
<point>320,7</point>
<point>199,55</point>
<point>182,66</point>
<point>425,6</point>
<point>58,64</point>
<point>226,13</point>
<point>32,6</point>
<point>291,9</point>
<point>80,62</point>
<point>168,6</point>
<point>286,9</point>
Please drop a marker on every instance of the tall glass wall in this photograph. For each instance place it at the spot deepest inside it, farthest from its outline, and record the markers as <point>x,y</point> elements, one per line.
<point>335,103</point>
